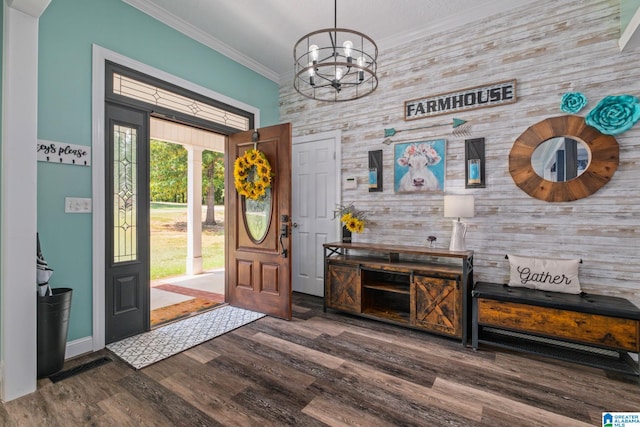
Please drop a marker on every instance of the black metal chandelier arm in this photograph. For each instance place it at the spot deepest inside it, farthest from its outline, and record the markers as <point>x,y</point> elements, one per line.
<point>330,77</point>
<point>323,60</point>
<point>328,84</point>
<point>326,78</point>
<point>344,84</point>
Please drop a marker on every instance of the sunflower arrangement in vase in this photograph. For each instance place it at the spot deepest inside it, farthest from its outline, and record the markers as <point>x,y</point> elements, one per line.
<point>351,218</point>
<point>252,174</point>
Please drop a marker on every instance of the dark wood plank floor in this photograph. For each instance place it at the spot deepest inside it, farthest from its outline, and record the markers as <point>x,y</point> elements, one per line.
<point>328,369</point>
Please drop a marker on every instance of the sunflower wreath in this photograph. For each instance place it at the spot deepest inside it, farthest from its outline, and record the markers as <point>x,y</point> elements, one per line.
<point>252,174</point>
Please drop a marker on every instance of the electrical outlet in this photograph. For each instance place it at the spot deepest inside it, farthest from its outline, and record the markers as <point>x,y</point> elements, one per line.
<point>77,205</point>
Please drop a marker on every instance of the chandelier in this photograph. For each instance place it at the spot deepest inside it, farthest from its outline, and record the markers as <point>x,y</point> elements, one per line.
<point>335,64</point>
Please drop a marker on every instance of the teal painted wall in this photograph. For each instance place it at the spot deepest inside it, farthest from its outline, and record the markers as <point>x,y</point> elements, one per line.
<point>68,28</point>
<point>627,9</point>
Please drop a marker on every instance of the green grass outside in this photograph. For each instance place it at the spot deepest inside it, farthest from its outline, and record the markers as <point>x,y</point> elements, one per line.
<point>169,240</point>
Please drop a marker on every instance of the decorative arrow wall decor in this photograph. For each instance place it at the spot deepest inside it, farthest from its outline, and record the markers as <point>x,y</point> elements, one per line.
<point>460,128</point>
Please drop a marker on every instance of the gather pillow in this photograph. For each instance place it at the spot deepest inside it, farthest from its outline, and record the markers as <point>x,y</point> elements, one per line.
<point>546,274</point>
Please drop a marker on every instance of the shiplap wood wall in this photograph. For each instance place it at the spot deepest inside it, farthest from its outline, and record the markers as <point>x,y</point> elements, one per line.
<point>551,47</point>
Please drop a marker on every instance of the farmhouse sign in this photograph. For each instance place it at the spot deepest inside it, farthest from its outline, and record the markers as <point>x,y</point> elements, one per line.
<point>57,152</point>
<point>467,99</point>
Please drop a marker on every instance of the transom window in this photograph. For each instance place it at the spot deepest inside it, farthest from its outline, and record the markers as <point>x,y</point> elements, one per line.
<point>155,95</point>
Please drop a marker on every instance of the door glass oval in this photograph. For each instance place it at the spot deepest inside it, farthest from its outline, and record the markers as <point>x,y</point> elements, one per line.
<point>257,216</point>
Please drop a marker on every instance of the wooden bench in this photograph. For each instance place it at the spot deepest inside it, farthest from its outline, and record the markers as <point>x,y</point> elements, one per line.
<point>594,330</point>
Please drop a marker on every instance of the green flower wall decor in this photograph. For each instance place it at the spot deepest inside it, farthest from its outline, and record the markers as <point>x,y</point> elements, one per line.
<point>573,102</point>
<point>615,114</point>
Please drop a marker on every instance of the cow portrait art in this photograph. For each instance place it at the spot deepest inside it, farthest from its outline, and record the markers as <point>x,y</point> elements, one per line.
<point>419,166</point>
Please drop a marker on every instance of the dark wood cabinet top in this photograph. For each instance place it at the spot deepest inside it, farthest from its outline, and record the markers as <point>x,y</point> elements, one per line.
<point>410,250</point>
<point>420,268</point>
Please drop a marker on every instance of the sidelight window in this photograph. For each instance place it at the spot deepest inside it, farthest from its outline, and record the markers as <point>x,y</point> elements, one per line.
<point>124,193</point>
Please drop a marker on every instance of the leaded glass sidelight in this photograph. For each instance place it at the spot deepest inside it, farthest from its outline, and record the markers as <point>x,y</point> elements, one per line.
<point>257,216</point>
<point>124,194</point>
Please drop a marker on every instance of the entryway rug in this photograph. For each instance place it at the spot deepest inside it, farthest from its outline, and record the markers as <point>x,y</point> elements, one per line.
<point>144,349</point>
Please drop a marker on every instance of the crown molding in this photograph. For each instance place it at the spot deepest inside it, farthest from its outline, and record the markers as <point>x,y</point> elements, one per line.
<point>200,36</point>
<point>33,8</point>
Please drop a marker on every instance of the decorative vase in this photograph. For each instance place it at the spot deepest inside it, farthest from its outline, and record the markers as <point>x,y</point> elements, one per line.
<point>346,235</point>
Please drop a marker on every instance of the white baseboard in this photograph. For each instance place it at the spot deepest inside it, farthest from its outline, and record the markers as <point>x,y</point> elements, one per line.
<point>78,347</point>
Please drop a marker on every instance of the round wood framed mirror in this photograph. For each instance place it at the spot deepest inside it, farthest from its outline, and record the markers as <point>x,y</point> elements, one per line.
<point>603,153</point>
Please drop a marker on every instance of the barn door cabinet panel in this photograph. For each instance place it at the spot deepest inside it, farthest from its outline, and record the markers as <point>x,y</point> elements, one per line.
<point>343,287</point>
<point>437,305</point>
<point>420,288</point>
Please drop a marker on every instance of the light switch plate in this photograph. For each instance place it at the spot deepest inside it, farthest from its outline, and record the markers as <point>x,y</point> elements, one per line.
<point>77,205</point>
<point>350,183</point>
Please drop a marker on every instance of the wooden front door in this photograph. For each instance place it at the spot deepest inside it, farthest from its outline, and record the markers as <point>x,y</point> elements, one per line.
<point>258,249</point>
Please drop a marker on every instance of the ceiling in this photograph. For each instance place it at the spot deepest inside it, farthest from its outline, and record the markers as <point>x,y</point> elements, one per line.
<point>260,34</point>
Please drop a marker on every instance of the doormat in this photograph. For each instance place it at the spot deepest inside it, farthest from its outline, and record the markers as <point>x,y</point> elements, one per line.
<point>181,310</point>
<point>147,348</point>
<point>63,375</point>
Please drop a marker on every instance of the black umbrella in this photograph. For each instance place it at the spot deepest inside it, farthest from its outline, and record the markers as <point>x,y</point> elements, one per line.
<point>43,272</point>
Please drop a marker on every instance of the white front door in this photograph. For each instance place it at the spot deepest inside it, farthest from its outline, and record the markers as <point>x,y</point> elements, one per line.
<point>315,193</point>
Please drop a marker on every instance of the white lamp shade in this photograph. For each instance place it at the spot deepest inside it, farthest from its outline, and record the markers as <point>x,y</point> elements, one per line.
<point>459,206</point>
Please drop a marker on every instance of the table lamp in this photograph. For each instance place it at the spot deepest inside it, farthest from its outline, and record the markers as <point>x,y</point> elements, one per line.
<point>458,206</point>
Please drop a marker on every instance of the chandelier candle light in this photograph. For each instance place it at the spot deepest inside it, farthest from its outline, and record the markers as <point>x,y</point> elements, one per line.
<point>458,206</point>
<point>335,64</point>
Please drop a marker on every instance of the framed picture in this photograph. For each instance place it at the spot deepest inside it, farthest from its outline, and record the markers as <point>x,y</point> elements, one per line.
<point>474,161</point>
<point>375,170</point>
<point>419,166</point>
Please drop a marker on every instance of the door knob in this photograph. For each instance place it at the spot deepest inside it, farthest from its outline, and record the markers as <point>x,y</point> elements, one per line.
<point>294,225</point>
<point>284,233</point>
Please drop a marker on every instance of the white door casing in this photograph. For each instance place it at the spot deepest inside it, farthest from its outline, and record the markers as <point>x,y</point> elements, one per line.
<point>100,56</point>
<point>315,187</point>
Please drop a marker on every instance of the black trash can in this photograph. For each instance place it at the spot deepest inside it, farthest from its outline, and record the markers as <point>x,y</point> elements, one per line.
<point>53,325</point>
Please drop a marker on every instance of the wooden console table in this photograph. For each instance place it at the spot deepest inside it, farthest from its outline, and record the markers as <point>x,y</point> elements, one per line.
<point>416,287</point>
